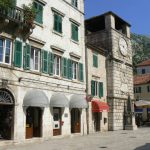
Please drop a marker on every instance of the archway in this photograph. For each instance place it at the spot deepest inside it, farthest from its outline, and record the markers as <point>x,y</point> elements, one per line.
<point>6,115</point>
<point>75,120</point>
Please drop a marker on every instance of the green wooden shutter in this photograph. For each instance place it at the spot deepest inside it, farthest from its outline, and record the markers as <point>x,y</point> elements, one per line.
<point>39,12</point>
<point>101,91</point>
<point>76,33</point>
<point>93,88</point>
<point>18,54</point>
<point>64,67</point>
<point>51,63</point>
<point>95,60</point>
<point>74,29</point>
<point>69,64</point>
<point>55,21</point>
<point>80,71</point>
<point>27,53</point>
<point>44,61</point>
<point>60,24</point>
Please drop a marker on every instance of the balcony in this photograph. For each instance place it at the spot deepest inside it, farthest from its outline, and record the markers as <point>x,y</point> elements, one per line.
<point>13,20</point>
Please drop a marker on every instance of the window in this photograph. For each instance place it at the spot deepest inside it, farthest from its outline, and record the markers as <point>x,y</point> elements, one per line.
<point>138,90</point>
<point>39,12</point>
<point>95,60</point>
<point>57,60</point>
<point>57,23</point>
<point>35,59</point>
<point>75,70</point>
<point>5,50</point>
<point>74,32</point>
<point>97,88</point>
<point>143,71</point>
<point>74,3</point>
<point>94,87</point>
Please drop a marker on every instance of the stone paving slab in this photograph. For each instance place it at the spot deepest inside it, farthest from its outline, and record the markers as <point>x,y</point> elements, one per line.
<point>113,140</point>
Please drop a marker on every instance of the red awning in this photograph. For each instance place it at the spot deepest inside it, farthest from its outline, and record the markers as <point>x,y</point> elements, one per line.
<point>98,106</point>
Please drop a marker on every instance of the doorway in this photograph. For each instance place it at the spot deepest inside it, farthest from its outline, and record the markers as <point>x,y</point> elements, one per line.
<point>56,121</point>
<point>6,115</point>
<point>6,121</point>
<point>33,122</point>
<point>75,120</point>
<point>97,117</point>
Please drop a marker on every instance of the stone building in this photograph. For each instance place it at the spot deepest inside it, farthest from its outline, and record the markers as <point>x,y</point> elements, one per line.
<point>42,70</point>
<point>142,89</point>
<point>96,89</point>
<point>112,33</point>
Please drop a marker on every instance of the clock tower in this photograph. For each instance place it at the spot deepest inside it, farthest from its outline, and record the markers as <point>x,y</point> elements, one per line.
<point>112,33</point>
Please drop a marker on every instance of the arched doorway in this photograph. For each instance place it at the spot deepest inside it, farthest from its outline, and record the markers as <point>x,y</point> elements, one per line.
<point>6,115</point>
<point>75,120</point>
<point>33,122</point>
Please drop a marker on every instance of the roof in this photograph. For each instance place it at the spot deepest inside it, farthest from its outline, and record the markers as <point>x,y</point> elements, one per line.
<point>144,63</point>
<point>109,12</point>
<point>141,79</point>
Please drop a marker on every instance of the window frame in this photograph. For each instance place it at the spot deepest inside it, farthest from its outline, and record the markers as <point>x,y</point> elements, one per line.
<point>42,5</point>
<point>75,72</point>
<point>59,15</point>
<point>4,40</point>
<point>96,56</point>
<point>39,59</point>
<point>74,3</point>
<point>72,36</point>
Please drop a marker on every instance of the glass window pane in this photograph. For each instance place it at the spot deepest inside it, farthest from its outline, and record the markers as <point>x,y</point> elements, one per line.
<point>32,59</point>
<point>7,52</point>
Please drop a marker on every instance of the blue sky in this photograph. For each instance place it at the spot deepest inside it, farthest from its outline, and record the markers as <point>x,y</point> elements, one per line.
<point>136,12</point>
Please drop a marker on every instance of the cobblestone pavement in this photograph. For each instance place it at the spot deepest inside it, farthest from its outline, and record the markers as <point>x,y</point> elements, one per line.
<point>116,140</point>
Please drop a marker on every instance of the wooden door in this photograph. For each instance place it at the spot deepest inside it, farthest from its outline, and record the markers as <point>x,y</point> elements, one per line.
<point>33,122</point>
<point>29,123</point>
<point>56,121</point>
<point>75,120</point>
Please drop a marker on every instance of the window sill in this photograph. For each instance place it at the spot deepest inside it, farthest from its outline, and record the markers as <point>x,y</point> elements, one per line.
<point>38,24</point>
<point>76,42</point>
<point>33,71</point>
<point>57,77</point>
<point>57,33</point>
<point>5,65</point>
<point>75,80</point>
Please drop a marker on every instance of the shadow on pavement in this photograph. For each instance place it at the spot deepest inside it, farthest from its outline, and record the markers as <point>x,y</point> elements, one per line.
<point>144,147</point>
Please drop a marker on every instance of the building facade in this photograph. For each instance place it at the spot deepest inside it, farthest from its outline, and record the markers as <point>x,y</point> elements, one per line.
<point>110,32</point>
<point>142,87</point>
<point>96,89</point>
<point>42,70</point>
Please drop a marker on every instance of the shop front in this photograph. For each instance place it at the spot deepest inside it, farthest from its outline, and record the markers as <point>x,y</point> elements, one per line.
<point>100,115</point>
<point>58,103</point>
<point>34,103</point>
<point>77,103</point>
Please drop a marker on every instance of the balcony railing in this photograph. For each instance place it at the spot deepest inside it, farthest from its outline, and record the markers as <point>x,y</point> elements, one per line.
<point>14,14</point>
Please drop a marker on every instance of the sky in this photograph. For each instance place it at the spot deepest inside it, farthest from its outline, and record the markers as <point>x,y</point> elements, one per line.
<point>135,12</point>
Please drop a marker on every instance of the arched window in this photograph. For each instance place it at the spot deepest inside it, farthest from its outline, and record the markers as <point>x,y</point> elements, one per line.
<point>6,97</point>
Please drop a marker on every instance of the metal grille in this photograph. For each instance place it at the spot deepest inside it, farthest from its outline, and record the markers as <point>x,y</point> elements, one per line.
<point>6,97</point>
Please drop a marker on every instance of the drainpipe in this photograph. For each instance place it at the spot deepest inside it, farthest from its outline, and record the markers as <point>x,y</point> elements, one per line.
<point>86,70</point>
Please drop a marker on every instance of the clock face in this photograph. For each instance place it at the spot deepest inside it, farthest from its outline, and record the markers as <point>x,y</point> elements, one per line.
<point>123,46</point>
